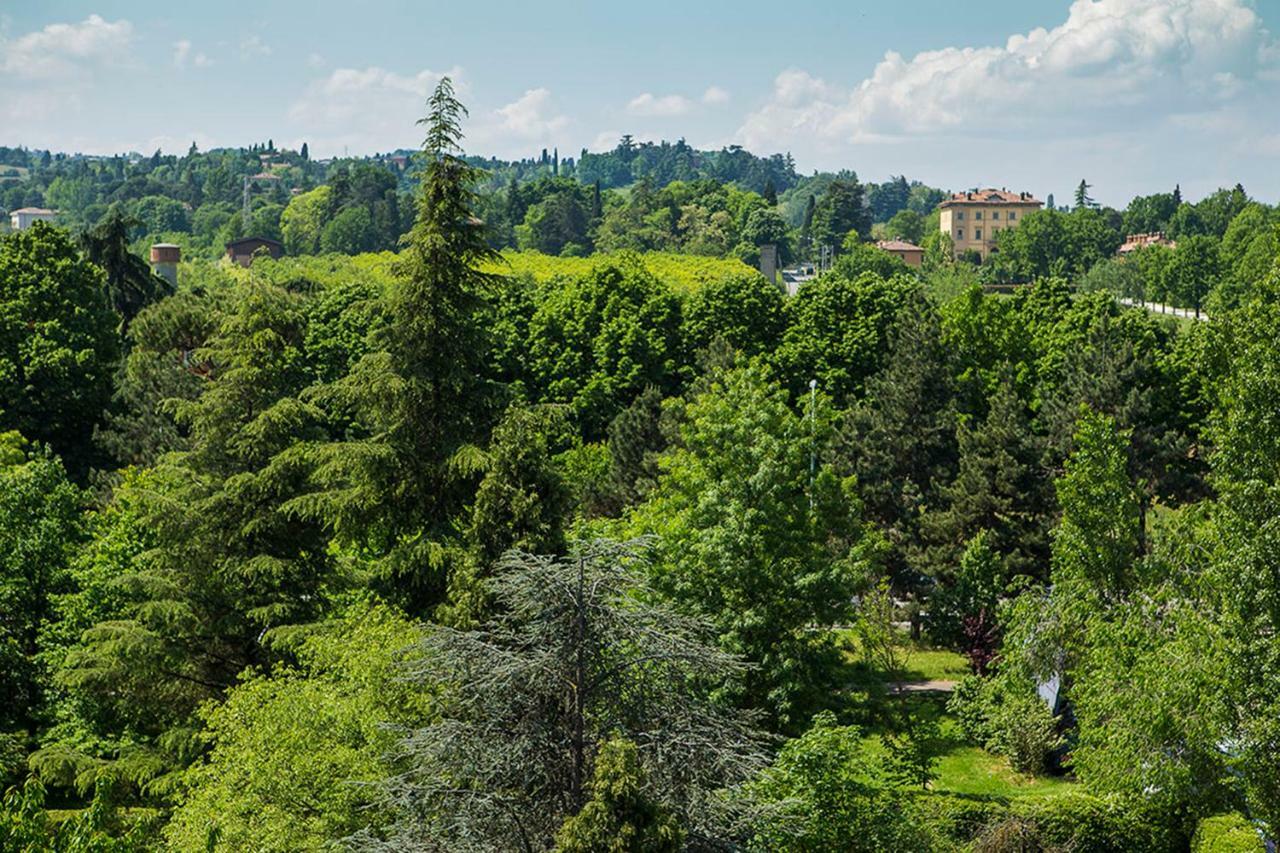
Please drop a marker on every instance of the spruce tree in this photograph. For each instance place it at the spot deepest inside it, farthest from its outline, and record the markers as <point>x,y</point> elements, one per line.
<point>417,407</point>
<point>131,286</point>
<point>1000,487</point>
<point>900,441</point>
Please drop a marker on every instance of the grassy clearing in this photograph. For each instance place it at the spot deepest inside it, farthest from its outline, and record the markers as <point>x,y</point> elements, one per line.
<point>963,768</point>
<point>923,661</point>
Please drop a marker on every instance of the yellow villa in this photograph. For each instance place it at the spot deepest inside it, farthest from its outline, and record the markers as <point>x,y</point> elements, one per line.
<point>973,219</point>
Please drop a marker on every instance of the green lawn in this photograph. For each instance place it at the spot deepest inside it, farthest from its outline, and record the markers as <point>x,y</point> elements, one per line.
<point>923,662</point>
<point>962,767</point>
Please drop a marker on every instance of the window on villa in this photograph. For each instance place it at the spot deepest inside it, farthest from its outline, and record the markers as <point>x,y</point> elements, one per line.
<point>977,214</point>
<point>959,216</point>
<point>977,233</point>
<point>1013,214</point>
<point>959,233</point>
<point>995,214</point>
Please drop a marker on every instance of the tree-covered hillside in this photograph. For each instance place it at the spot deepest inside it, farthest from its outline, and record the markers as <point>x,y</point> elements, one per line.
<point>424,545</point>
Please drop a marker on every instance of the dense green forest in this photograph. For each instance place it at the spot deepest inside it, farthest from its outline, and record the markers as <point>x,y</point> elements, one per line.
<point>412,541</point>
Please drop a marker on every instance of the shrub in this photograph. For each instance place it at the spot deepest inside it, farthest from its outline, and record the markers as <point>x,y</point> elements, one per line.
<point>1023,730</point>
<point>1085,823</point>
<point>1226,833</point>
<point>950,821</point>
<point>968,703</point>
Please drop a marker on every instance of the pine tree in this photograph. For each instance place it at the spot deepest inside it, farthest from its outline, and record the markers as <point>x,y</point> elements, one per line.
<point>130,284</point>
<point>1000,487</point>
<point>305,153</point>
<point>421,403</point>
<point>1082,196</point>
<point>635,439</point>
<point>901,441</point>
<point>770,193</point>
<point>216,566</point>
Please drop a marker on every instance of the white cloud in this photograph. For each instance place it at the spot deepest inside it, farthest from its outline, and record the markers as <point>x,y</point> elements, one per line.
<point>182,55</point>
<point>715,95</point>
<point>364,109</point>
<point>252,47</point>
<point>65,50</point>
<point>528,116</point>
<point>1112,62</point>
<point>664,106</point>
<point>606,140</point>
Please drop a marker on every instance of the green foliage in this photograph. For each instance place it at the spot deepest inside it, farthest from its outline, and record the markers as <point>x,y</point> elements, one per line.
<point>838,329</point>
<point>131,286</point>
<point>226,565</point>
<point>900,441</point>
<point>161,367</point>
<point>597,341</point>
<point>293,755</point>
<point>40,528</point>
<point>745,311</point>
<point>578,652</point>
<point>26,826</point>
<point>839,211</point>
<point>1097,541</point>
<point>58,344</point>
<point>750,539</point>
<point>1226,833</point>
<point>521,503</point>
<point>418,402</point>
<point>830,797</point>
<point>619,817</point>
<point>1150,710</point>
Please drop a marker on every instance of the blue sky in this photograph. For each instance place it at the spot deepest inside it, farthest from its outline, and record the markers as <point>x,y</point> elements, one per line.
<point>1133,95</point>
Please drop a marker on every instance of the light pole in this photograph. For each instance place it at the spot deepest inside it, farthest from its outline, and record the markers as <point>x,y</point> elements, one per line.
<point>813,436</point>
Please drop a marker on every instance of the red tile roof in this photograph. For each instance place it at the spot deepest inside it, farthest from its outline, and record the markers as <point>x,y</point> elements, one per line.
<point>990,196</point>
<point>898,246</point>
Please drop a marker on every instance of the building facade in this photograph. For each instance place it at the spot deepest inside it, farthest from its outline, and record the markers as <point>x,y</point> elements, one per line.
<point>24,217</point>
<point>910,254</point>
<point>974,219</point>
<point>242,251</point>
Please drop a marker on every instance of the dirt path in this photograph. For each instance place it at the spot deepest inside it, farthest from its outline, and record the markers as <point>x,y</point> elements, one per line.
<point>923,686</point>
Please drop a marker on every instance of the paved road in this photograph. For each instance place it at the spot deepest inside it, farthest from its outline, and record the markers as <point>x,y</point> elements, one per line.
<point>1167,310</point>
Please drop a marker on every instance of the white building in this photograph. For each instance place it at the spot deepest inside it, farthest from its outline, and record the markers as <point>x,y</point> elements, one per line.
<point>22,218</point>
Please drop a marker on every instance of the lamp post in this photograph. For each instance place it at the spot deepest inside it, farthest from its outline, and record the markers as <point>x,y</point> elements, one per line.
<point>813,436</point>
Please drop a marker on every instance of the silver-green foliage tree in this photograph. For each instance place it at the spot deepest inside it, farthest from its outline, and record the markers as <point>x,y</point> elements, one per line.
<point>578,652</point>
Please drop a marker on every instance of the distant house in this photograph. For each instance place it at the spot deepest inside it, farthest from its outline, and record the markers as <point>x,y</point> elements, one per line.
<point>911,254</point>
<point>24,217</point>
<point>974,218</point>
<point>242,251</point>
<point>1134,242</point>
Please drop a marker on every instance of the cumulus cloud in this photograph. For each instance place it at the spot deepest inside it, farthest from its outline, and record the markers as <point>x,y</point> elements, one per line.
<point>664,106</point>
<point>530,116</point>
<point>65,50</point>
<point>364,109</point>
<point>182,55</point>
<point>1119,59</point>
<point>715,95</point>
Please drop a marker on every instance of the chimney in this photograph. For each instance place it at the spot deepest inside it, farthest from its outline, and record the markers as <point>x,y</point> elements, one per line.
<point>164,262</point>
